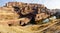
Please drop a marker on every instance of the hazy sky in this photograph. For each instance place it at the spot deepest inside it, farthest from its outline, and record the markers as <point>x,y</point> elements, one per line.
<point>51,4</point>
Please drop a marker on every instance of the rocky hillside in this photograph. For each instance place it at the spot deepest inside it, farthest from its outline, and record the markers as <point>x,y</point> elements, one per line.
<point>18,17</point>
<point>32,13</point>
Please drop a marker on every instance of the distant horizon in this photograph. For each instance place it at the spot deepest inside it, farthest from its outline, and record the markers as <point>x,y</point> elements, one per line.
<point>50,4</point>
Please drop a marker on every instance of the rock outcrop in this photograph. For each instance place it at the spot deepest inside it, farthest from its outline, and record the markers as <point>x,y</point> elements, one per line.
<point>18,17</point>
<point>31,12</point>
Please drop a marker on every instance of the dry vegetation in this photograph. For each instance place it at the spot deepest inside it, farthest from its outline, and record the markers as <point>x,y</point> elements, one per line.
<point>16,17</point>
